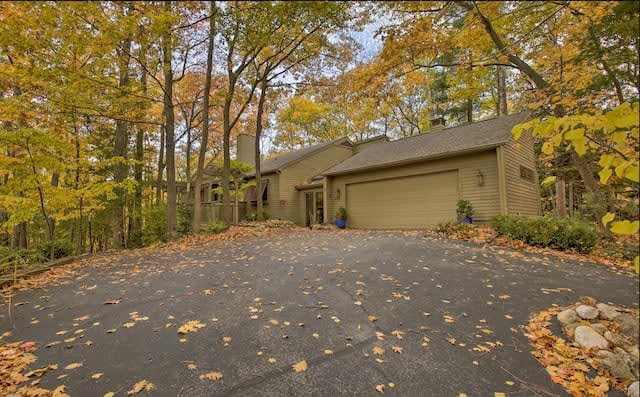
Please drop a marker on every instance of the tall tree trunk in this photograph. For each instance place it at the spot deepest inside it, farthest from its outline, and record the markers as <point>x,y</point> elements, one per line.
<point>469,109</point>
<point>263,94</point>
<point>169,121</point>
<point>561,202</point>
<point>226,168</point>
<point>120,150</point>
<point>502,91</point>
<point>204,140</point>
<point>159,181</point>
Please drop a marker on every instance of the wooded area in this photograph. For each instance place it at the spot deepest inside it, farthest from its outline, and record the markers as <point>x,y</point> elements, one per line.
<point>110,109</point>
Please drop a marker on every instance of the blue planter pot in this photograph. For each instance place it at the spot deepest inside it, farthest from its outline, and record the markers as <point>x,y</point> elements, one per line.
<point>341,223</point>
<point>468,219</point>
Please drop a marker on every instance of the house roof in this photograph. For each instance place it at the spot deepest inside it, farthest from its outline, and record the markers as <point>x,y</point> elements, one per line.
<point>444,143</point>
<point>285,159</point>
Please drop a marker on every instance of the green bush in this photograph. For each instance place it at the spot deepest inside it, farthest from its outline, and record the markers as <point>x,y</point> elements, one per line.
<point>215,228</point>
<point>61,248</point>
<point>464,208</point>
<point>184,216</point>
<point>155,224</point>
<point>251,217</point>
<point>548,231</point>
<point>341,214</point>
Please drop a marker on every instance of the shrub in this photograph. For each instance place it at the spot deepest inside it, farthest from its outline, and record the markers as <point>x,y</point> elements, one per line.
<point>548,231</point>
<point>251,217</point>
<point>341,214</point>
<point>464,208</point>
<point>184,216</point>
<point>215,228</point>
<point>61,248</point>
<point>155,224</point>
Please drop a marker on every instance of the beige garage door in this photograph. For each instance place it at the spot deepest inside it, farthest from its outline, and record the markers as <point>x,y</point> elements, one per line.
<point>409,202</point>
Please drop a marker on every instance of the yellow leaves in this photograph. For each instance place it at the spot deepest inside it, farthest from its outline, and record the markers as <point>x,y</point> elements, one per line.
<point>397,349</point>
<point>190,326</point>
<point>128,325</point>
<point>548,181</point>
<point>328,352</point>
<point>97,375</point>
<point>608,218</point>
<point>213,376</point>
<point>372,318</point>
<point>300,366</point>
<point>448,319</point>
<point>380,388</point>
<point>547,147</point>
<point>632,173</point>
<point>226,340</point>
<point>378,351</point>
<point>605,174</point>
<point>625,227</point>
<point>636,264</point>
<point>143,385</point>
<point>73,366</point>
<point>109,394</point>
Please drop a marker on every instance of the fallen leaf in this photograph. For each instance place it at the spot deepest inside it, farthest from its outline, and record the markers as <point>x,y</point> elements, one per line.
<point>192,366</point>
<point>140,386</point>
<point>215,376</point>
<point>112,302</point>
<point>271,360</point>
<point>397,349</point>
<point>59,392</point>
<point>110,394</point>
<point>96,375</point>
<point>328,352</point>
<point>372,318</point>
<point>509,383</point>
<point>380,388</point>
<point>73,366</point>
<point>128,325</point>
<point>190,326</point>
<point>300,366</point>
<point>378,351</point>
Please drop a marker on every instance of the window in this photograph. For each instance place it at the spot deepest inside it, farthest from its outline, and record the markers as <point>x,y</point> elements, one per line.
<point>526,173</point>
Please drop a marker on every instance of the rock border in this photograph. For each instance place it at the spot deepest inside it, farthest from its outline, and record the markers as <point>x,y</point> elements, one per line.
<point>597,350</point>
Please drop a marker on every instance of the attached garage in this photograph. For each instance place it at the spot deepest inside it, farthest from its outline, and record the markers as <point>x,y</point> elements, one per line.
<point>405,202</point>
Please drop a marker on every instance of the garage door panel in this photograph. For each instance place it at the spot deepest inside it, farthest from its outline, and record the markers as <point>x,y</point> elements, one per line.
<point>415,201</point>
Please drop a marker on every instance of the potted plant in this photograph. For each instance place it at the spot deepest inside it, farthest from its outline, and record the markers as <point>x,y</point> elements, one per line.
<point>341,218</point>
<point>465,211</point>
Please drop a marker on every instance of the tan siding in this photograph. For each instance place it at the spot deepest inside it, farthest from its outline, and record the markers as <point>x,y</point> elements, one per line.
<point>407,202</point>
<point>523,197</point>
<point>485,199</point>
<point>289,200</point>
<point>273,195</point>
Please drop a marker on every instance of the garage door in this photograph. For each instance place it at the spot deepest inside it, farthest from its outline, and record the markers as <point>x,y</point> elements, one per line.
<point>408,202</point>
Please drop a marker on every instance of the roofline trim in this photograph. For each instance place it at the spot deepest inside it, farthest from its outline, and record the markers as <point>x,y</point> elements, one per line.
<point>320,148</point>
<point>418,159</point>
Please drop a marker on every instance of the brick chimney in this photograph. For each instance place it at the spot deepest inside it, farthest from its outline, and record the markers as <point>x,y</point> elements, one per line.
<point>246,149</point>
<point>437,123</point>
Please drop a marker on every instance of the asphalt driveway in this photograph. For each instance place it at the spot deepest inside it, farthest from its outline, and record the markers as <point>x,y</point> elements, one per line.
<point>444,316</point>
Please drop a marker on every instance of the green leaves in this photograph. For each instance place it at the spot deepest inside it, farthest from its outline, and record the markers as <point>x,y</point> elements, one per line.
<point>548,181</point>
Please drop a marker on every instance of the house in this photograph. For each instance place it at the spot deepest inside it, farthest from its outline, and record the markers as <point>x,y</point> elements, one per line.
<point>413,182</point>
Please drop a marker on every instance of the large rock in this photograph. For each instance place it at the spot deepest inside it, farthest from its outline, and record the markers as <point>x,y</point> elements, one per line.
<point>619,365</point>
<point>586,337</point>
<point>567,316</point>
<point>599,328</point>
<point>607,312</point>
<point>615,339</point>
<point>634,389</point>
<point>587,312</point>
<point>629,326</point>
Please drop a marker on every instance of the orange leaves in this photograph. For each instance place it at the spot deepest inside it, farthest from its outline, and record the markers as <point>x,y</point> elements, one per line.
<point>214,376</point>
<point>143,385</point>
<point>190,326</point>
<point>300,366</point>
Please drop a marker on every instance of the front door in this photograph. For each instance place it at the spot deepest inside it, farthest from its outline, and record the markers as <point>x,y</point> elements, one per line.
<point>314,207</point>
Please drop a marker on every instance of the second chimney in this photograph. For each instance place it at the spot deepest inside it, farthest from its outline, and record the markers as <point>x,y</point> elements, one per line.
<point>437,124</point>
<point>246,149</point>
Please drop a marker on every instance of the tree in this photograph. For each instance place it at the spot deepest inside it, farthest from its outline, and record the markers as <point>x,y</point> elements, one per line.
<point>204,138</point>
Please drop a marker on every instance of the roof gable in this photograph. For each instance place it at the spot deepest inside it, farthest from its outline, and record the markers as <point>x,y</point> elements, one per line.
<point>286,159</point>
<point>448,142</point>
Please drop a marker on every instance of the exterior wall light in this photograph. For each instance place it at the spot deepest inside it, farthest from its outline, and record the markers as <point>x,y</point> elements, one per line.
<point>480,178</point>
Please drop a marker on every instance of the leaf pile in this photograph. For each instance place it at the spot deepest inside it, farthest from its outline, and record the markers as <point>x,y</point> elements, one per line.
<point>566,363</point>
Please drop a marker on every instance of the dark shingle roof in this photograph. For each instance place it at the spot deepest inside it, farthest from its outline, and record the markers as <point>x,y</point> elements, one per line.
<point>282,160</point>
<point>444,143</point>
